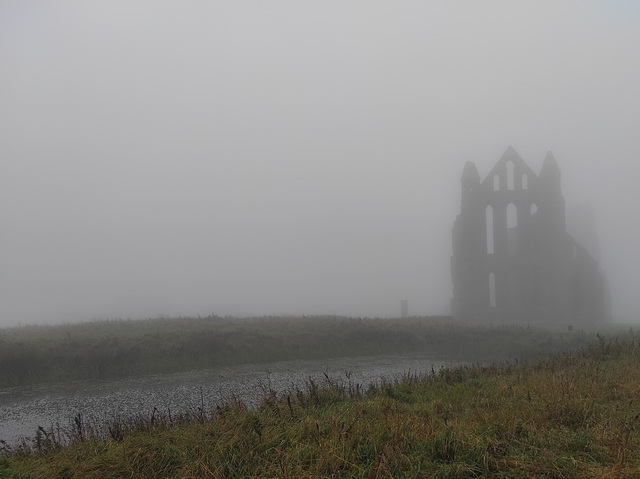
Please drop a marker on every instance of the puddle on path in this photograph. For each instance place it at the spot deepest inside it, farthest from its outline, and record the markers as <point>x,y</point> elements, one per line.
<point>22,410</point>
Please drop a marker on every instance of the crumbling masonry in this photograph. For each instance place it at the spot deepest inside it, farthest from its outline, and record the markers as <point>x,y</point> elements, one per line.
<point>513,260</point>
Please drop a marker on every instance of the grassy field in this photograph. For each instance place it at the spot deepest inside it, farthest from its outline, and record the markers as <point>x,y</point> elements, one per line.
<point>574,415</point>
<point>113,349</point>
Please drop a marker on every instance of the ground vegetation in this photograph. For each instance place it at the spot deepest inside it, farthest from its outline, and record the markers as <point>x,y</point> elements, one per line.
<point>123,348</point>
<point>572,415</point>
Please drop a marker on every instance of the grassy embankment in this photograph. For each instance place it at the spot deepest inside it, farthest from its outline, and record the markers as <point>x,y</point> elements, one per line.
<point>112,349</point>
<point>569,416</point>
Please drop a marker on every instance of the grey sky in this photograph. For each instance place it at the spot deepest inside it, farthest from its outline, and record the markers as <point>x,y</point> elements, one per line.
<point>253,157</point>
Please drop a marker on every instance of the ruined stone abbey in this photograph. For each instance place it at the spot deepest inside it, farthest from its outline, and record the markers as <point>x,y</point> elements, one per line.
<point>513,260</point>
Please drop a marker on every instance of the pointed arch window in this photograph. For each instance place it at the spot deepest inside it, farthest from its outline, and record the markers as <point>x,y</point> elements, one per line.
<point>534,209</point>
<point>489,222</point>
<point>510,175</point>
<point>512,228</point>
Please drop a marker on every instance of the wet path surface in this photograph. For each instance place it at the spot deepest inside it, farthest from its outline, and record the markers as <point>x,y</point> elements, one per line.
<point>23,410</point>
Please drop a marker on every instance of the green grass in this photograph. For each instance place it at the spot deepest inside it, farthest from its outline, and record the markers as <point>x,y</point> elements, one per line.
<point>573,415</point>
<point>112,349</point>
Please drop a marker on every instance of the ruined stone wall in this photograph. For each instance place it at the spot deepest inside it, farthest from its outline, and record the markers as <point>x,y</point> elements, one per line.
<point>513,260</point>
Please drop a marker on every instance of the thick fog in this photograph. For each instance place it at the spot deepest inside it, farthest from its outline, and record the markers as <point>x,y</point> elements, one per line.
<point>285,157</point>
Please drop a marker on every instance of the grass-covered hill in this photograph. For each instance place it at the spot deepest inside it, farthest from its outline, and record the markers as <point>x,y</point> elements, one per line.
<point>574,415</point>
<point>111,349</point>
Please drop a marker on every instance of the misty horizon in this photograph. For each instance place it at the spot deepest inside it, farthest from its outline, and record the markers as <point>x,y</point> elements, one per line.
<point>250,159</point>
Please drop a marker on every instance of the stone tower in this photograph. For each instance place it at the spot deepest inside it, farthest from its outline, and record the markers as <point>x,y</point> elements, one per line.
<point>513,260</point>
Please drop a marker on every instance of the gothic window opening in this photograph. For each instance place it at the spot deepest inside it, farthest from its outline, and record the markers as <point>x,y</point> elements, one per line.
<point>510,168</point>
<point>512,225</point>
<point>534,209</point>
<point>489,219</point>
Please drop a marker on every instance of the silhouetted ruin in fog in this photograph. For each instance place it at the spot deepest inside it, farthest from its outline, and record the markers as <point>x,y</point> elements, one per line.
<point>513,260</point>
